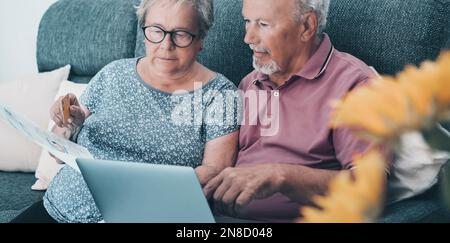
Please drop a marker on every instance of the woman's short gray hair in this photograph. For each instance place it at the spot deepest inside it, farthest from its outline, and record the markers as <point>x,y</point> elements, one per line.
<point>204,10</point>
<point>320,7</point>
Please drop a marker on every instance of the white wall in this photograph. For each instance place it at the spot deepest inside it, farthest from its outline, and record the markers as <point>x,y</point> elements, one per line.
<point>19,22</point>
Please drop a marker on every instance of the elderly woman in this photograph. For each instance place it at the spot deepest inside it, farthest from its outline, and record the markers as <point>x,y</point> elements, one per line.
<point>160,108</point>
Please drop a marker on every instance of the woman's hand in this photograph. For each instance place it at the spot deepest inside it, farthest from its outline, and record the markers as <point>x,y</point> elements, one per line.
<point>77,114</point>
<point>76,119</point>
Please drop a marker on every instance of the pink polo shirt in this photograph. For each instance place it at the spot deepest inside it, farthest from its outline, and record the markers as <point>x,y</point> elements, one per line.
<point>298,132</point>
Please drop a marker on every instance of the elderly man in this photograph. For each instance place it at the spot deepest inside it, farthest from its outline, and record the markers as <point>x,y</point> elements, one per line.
<point>278,170</point>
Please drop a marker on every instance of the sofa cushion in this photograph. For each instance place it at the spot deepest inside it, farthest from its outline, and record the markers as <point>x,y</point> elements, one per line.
<point>425,208</point>
<point>86,34</point>
<point>224,50</point>
<point>15,191</point>
<point>8,215</point>
<point>388,34</point>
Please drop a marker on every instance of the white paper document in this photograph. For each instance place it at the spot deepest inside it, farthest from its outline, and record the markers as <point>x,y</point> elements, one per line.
<point>61,148</point>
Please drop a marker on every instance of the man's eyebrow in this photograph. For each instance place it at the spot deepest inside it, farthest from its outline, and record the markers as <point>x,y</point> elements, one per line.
<point>256,20</point>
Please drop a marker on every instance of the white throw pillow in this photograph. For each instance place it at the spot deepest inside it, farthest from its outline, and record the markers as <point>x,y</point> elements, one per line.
<point>48,168</point>
<point>31,96</point>
<point>415,169</point>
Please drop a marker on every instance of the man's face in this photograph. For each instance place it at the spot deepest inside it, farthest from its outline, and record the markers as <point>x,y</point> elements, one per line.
<point>272,33</point>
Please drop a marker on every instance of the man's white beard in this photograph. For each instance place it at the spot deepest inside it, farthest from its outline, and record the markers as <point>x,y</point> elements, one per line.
<point>267,69</point>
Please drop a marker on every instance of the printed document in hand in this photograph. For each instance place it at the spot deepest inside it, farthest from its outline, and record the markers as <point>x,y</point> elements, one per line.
<point>61,148</point>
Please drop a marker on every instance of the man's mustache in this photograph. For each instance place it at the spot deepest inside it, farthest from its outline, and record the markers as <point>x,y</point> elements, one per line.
<point>259,49</point>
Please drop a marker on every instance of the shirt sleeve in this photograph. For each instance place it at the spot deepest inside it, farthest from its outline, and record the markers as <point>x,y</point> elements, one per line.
<point>222,113</point>
<point>93,94</point>
<point>346,144</point>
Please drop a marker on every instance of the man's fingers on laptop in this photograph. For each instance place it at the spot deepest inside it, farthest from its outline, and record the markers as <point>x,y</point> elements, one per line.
<point>210,188</point>
<point>221,190</point>
<point>243,200</point>
<point>230,197</point>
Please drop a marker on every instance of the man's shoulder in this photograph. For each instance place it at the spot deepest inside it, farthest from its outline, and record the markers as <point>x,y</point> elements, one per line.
<point>353,65</point>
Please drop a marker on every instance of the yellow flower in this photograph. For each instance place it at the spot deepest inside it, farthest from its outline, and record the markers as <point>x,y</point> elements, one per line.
<point>416,99</point>
<point>388,106</point>
<point>353,198</point>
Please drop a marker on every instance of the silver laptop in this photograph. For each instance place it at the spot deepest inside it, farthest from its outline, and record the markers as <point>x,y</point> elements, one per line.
<point>144,193</point>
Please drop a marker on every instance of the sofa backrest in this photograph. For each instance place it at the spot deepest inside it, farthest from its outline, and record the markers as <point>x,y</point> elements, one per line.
<point>387,34</point>
<point>86,34</point>
<point>448,43</point>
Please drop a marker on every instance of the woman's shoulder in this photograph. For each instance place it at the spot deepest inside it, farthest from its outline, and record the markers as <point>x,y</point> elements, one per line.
<point>220,83</point>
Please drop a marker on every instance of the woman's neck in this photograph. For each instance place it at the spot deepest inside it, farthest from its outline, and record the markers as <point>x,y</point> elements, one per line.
<point>171,82</point>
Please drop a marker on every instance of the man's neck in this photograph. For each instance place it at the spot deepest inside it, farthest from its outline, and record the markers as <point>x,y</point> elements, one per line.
<point>298,63</point>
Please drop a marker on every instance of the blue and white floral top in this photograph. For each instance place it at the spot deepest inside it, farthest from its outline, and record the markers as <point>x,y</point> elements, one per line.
<point>132,121</point>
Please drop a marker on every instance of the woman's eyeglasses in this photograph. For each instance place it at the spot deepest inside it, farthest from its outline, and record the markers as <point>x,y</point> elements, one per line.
<point>180,38</point>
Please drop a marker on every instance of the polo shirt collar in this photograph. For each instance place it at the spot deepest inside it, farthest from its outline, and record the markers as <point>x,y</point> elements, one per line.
<point>316,65</point>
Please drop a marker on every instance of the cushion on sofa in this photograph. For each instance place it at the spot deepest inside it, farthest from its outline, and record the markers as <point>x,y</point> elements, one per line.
<point>31,96</point>
<point>86,34</point>
<point>389,34</point>
<point>224,49</point>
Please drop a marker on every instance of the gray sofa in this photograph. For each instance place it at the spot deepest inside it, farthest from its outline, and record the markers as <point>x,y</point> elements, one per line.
<point>387,34</point>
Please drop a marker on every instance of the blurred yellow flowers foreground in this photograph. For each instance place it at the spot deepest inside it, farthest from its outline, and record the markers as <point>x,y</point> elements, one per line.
<point>380,112</point>
<point>353,197</point>
<point>387,107</point>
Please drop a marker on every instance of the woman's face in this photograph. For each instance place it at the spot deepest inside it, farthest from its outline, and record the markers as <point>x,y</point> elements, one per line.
<point>165,57</point>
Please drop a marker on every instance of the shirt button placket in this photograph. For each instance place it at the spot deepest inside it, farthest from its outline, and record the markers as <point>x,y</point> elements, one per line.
<point>276,93</point>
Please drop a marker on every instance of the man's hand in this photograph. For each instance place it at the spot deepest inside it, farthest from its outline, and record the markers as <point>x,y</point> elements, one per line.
<point>234,188</point>
<point>205,173</point>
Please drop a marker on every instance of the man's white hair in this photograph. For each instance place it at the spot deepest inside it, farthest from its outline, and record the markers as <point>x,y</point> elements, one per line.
<point>319,7</point>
